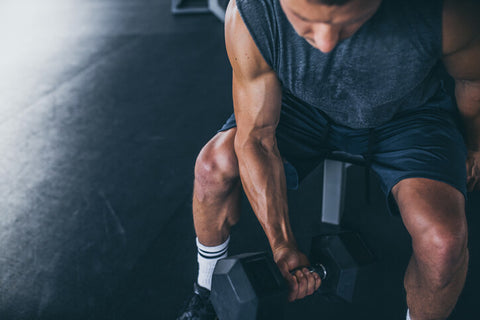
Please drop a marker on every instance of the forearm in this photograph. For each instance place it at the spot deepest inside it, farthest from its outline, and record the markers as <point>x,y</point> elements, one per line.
<point>263,179</point>
<point>468,99</point>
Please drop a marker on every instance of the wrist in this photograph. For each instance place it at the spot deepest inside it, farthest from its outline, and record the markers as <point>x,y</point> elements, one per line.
<point>281,252</point>
<point>283,243</point>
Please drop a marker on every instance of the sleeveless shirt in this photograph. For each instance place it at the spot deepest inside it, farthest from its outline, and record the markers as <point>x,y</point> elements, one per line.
<point>391,64</point>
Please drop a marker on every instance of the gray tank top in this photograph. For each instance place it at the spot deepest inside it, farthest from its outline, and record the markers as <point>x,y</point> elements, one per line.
<point>391,64</point>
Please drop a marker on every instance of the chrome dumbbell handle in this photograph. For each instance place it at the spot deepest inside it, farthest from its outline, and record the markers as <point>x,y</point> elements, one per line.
<point>320,269</point>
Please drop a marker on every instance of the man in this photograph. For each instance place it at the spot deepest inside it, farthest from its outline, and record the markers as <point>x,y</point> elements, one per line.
<point>312,76</point>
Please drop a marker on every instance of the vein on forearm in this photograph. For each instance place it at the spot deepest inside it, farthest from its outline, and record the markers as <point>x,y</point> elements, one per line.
<point>263,179</point>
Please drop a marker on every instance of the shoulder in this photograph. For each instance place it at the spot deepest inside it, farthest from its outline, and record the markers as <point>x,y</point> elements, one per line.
<point>242,51</point>
<point>461,25</point>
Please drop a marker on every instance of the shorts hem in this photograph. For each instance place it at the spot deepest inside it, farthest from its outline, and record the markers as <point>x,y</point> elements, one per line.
<point>390,200</point>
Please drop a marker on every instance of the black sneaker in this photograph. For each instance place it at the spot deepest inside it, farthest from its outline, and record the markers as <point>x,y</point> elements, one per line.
<point>198,307</point>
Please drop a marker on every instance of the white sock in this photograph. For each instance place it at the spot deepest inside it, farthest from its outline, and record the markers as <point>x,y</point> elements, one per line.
<point>207,259</point>
<point>408,314</point>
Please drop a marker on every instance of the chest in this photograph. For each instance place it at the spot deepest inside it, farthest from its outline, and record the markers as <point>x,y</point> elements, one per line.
<point>380,63</point>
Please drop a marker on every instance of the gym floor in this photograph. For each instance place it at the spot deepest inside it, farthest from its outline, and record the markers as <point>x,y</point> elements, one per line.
<point>104,105</point>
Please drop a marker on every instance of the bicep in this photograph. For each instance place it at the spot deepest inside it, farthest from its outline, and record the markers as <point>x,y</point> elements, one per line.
<point>257,106</point>
<point>256,88</point>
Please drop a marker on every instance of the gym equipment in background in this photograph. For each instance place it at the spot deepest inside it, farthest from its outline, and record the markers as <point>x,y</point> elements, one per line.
<point>217,7</point>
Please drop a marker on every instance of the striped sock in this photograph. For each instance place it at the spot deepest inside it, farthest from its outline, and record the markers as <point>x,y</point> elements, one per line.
<point>207,258</point>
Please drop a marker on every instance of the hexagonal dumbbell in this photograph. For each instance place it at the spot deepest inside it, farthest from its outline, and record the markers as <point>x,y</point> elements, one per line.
<point>250,286</point>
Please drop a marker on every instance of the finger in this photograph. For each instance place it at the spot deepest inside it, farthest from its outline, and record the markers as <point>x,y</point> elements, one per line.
<point>302,284</point>
<point>318,281</point>
<point>472,182</point>
<point>476,185</point>
<point>306,283</point>
<point>293,289</point>
<point>469,167</point>
<point>310,281</point>
<point>291,280</point>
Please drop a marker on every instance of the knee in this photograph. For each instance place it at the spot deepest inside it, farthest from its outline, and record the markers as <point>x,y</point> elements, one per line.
<point>216,167</point>
<point>444,250</point>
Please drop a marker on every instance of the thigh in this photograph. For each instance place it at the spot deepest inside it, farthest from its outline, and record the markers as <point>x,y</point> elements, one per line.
<point>426,143</point>
<point>302,135</point>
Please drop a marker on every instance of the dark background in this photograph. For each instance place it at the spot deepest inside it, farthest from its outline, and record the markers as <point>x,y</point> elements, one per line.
<point>104,105</point>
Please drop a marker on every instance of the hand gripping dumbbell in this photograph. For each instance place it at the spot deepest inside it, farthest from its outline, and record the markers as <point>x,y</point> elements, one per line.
<point>250,286</point>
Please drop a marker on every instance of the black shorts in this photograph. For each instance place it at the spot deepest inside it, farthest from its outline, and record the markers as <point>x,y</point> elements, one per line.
<point>425,143</point>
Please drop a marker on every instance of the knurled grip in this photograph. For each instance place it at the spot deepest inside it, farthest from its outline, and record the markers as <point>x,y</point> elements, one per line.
<point>317,268</point>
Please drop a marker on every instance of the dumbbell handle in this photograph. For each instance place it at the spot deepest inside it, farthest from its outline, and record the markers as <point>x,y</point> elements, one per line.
<point>317,268</point>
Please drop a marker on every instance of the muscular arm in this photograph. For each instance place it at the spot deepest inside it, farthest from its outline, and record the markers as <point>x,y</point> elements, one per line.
<point>461,48</point>
<point>257,101</point>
